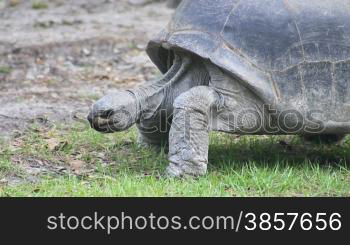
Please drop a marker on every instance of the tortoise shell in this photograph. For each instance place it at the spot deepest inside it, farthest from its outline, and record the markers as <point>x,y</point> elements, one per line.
<point>294,53</point>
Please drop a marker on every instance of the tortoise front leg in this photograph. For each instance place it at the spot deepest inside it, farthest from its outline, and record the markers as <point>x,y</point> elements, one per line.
<point>189,133</point>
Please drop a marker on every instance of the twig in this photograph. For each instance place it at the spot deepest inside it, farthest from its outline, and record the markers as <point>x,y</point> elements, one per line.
<point>8,117</point>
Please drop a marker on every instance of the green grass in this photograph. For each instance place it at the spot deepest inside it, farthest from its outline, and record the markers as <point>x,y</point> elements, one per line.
<point>116,166</point>
<point>39,5</point>
<point>5,70</point>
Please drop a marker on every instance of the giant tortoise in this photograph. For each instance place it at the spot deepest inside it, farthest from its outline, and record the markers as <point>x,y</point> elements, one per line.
<point>247,67</point>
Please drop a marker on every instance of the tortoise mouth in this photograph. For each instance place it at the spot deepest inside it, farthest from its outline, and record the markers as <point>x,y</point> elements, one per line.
<point>108,122</point>
<point>99,123</point>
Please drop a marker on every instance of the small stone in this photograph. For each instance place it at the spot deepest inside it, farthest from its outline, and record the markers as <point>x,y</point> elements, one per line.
<point>3,181</point>
<point>86,52</point>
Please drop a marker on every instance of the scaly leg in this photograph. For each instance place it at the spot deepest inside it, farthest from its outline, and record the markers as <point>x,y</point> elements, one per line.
<point>189,134</point>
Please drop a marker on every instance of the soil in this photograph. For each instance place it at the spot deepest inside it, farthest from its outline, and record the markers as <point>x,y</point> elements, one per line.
<point>57,58</point>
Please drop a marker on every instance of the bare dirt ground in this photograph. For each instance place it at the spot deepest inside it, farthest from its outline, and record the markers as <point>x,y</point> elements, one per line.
<point>57,57</point>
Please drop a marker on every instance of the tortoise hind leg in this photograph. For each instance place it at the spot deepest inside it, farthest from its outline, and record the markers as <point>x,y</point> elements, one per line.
<point>189,133</point>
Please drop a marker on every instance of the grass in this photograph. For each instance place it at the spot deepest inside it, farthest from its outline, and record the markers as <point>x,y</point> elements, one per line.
<point>5,70</point>
<point>114,165</point>
<point>39,5</point>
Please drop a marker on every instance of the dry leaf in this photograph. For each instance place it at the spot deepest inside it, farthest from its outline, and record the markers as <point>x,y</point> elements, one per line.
<point>54,144</point>
<point>16,145</point>
<point>76,165</point>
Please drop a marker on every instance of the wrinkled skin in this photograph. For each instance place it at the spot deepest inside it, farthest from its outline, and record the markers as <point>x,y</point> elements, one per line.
<point>151,106</point>
<point>115,112</point>
<point>177,110</point>
<point>155,107</point>
<point>181,108</point>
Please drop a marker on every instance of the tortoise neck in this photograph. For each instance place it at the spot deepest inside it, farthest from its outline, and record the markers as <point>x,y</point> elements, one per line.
<point>152,96</point>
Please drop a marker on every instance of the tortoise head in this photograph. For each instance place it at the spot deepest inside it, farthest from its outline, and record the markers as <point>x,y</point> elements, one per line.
<point>114,112</point>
